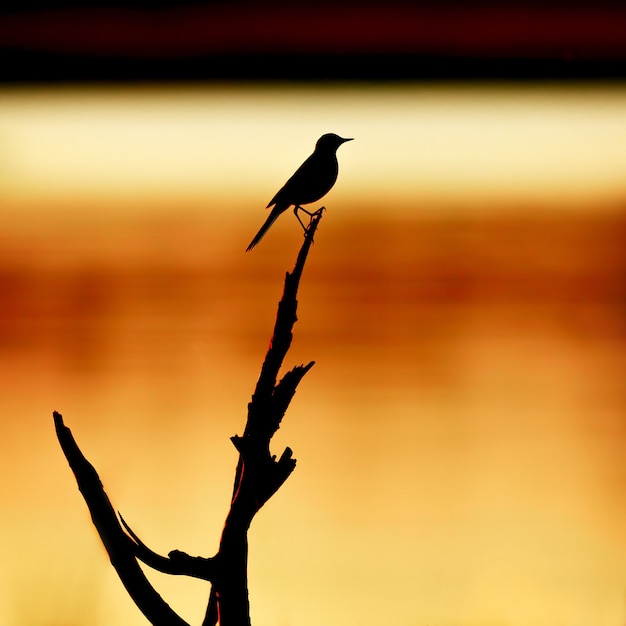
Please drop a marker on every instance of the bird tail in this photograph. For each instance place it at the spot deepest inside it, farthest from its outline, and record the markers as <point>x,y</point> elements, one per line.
<point>271,218</point>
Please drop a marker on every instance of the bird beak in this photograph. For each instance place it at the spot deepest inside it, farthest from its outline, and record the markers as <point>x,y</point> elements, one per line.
<point>350,139</point>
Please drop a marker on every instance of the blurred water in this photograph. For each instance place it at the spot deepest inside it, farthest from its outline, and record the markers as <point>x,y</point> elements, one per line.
<point>466,413</point>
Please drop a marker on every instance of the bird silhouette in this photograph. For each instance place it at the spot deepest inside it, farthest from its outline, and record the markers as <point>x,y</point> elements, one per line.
<point>311,181</point>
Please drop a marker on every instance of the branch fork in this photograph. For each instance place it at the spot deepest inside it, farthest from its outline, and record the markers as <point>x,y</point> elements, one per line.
<point>258,477</point>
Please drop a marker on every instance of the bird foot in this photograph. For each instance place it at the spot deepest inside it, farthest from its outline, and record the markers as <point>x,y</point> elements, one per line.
<point>311,215</point>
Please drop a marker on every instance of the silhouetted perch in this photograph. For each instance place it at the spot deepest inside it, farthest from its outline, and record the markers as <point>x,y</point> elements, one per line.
<point>257,478</point>
<point>115,540</point>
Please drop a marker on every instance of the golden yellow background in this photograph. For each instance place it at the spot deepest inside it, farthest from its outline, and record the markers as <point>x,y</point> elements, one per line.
<point>461,438</point>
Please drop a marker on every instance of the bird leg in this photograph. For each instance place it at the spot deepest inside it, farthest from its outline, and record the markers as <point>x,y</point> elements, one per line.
<point>311,215</point>
<point>295,212</point>
<point>307,212</point>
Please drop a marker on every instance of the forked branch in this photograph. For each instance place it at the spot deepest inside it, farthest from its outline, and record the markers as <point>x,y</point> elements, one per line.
<point>257,477</point>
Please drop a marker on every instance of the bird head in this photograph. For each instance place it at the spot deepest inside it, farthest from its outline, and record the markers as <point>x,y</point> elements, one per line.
<point>330,142</point>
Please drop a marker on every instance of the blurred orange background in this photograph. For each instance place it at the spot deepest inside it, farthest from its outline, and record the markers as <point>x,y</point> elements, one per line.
<point>460,440</point>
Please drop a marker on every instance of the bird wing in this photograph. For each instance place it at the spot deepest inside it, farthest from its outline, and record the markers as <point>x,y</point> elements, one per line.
<point>298,179</point>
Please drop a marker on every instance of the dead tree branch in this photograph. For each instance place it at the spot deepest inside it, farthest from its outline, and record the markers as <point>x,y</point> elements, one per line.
<point>115,540</point>
<point>257,478</point>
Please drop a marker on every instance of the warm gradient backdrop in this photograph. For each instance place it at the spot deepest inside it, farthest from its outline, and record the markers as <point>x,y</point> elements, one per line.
<point>461,439</point>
